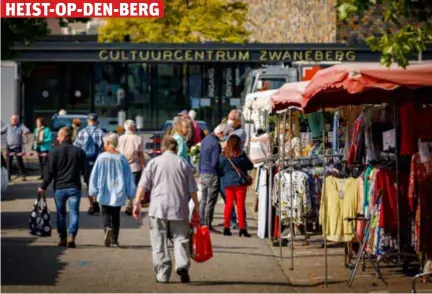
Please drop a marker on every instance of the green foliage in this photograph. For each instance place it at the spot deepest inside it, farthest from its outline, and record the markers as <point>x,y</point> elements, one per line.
<point>184,21</point>
<point>24,31</point>
<point>408,27</point>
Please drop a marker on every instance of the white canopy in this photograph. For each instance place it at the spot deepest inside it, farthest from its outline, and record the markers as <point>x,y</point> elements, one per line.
<point>258,101</point>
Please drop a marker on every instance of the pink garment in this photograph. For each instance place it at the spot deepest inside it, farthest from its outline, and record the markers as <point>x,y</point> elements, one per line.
<point>197,133</point>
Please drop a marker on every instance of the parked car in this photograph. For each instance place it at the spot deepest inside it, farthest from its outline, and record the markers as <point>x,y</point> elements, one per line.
<point>60,121</point>
<point>4,176</point>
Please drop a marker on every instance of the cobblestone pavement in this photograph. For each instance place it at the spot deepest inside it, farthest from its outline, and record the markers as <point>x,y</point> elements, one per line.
<point>239,264</point>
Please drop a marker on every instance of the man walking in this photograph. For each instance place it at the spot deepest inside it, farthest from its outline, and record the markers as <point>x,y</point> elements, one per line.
<point>209,172</point>
<point>171,181</point>
<point>90,140</point>
<point>65,166</point>
<point>15,132</point>
<point>234,121</point>
<point>132,147</point>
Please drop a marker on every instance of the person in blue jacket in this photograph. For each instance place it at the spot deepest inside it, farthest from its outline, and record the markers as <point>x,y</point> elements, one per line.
<point>42,143</point>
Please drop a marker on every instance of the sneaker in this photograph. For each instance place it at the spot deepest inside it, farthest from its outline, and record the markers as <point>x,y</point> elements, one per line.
<point>115,244</point>
<point>184,275</point>
<point>108,237</point>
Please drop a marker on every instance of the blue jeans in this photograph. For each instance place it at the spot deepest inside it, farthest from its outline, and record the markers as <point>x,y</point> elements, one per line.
<point>61,196</point>
<point>233,214</point>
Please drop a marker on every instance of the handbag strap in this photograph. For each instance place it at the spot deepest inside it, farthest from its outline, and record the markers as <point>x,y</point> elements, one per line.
<point>41,196</point>
<point>237,170</point>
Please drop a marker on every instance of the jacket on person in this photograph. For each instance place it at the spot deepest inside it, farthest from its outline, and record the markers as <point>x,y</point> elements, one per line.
<point>66,164</point>
<point>209,155</point>
<point>197,133</point>
<point>45,144</point>
<point>111,180</point>
<point>229,175</point>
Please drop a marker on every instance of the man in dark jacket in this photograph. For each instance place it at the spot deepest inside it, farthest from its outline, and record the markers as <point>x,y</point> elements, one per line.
<point>65,166</point>
<point>209,173</point>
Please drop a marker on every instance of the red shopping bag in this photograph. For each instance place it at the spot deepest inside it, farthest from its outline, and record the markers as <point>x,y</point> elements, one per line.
<point>202,249</point>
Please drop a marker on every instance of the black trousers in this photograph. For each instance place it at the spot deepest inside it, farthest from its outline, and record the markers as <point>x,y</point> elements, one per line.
<point>19,160</point>
<point>43,160</point>
<point>111,219</point>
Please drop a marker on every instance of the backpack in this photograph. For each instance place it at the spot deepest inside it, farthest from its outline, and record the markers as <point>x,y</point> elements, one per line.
<point>91,149</point>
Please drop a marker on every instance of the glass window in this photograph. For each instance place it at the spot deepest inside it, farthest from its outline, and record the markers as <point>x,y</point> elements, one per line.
<point>109,84</point>
<point>272,83</point>
<point>139,98</point>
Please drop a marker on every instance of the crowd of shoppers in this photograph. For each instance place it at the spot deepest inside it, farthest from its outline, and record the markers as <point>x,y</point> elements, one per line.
<point>114,169</point>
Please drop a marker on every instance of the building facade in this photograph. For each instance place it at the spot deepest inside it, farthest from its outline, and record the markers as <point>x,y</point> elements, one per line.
<point>156,81</point>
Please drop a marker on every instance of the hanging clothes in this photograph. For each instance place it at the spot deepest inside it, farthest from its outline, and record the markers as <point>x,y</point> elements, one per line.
<point>336,133</point>
<point>357,147</point>
<point>420,200</point>
<point>408,128</point>
<point>262,203</point>
<point>340,197</point>
<point>295,194</point>
<point>316,122</point>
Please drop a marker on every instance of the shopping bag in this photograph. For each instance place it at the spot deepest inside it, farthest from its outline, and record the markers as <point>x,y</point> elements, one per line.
<point>202,249</point>
<point>40,220</point>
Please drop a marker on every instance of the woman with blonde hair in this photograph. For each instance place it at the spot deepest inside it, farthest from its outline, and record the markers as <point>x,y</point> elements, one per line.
<point>180,132</point>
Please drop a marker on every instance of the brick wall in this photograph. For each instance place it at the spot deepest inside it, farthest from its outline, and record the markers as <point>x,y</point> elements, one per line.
<point>292,21</point>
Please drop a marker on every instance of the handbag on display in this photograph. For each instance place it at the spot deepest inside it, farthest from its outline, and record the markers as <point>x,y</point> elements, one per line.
<point>246,178</point>
<point>40,219</point>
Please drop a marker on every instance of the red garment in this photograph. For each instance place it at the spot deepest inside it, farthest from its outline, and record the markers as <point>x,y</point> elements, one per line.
<point>239,194</point>
<point>420,196</point>
<point>197,133</point>
<point>408,128</point>
<point>385,181</point>
<point>355,140</point>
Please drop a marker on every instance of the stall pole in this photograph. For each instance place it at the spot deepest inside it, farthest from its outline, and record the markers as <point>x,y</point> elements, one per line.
<point>396,120</point>
<point>270,187</point>
<point>292,194</point>
<point>324,227</point>
<point>280,183</point>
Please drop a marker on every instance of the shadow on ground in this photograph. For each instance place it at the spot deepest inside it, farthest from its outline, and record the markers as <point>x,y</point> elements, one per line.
<point>23,264</point>
<point>19,220</point>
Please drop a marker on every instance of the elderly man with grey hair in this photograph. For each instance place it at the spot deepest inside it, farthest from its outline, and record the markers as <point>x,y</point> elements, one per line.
<point>111,183</point>
<point>171,181</point>
<point>132,147</point>
<point>234,121</point>
<point>209,172</point>
<point>15,132</point>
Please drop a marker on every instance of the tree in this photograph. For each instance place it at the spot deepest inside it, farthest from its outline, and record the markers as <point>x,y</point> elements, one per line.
<point>407,26</point>
<point>24,31</point>
<point>184,21</point>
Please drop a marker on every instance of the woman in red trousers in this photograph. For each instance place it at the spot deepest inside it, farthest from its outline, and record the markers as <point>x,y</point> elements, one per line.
<point>234,165</point>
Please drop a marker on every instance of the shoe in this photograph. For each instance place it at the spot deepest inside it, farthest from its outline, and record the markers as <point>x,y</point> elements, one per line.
<point>91,211</point>
<point>63,243</point>
<point>128,211</point>
<point>234,226</point>
<point>227,232</point>
<point>184,275</point>
<point>244,233</point>
<point>71,244</point>
<point>108,237</point>
<point>115,244</point>
<point>96,207</point>
<point>24,179</point>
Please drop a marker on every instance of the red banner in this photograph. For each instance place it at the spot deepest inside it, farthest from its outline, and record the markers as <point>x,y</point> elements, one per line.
<point>82,9</point>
